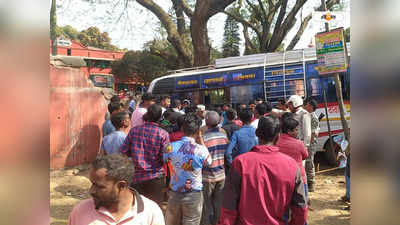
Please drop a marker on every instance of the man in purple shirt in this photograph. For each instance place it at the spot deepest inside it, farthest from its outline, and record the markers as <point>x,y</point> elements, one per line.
<point>146,144</point>
<point>137,115</point>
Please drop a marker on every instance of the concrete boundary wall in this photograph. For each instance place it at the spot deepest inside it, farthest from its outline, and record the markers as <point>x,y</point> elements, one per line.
<point>77,110</point>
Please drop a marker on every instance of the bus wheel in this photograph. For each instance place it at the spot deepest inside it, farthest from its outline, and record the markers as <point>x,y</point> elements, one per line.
<point>331,154</point>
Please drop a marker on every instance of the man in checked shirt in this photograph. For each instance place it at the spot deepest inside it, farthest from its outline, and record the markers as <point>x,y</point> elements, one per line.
<point>145,145</point>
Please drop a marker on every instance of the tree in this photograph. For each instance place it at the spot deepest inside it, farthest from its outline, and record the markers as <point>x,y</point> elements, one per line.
<point>89,37</point>
<point>95,38</point>
<point>230,46</point>
<point>215,54</point>
<point>69,32</point>
<point>198,15</point>
<point>53,28</point>
<point>142,64</point>
<point>269,21</point>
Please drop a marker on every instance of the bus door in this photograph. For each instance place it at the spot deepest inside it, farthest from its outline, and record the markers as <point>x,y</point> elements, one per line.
<point>213,97</point>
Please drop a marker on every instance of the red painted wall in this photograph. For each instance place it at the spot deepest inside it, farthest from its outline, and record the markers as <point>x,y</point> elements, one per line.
<point>78,49</point>
<point>76,116</point>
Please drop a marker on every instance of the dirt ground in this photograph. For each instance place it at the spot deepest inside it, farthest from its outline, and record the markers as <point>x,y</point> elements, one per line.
<point>68,187</point>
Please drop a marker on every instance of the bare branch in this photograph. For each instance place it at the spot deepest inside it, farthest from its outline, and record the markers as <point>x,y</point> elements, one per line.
<point>281,31</point>
<point>188,11</point>
<point>281,15</point>
<point>305,22</point>
<point>300,32</point>
<point>264,13</point>
<point>329,4</point>
<point>248,43</point>
<point>217,6</point>
<point>173,36</point>
<point>180,18</point>
<point>243,22</point>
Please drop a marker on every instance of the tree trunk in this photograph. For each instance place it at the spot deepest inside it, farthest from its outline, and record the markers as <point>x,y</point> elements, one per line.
<point>249,47</point>
<point>198,29</point>
<point>201,45</point>
<point>53,26</point>
<point>180,18</point>
<point>173,35</point>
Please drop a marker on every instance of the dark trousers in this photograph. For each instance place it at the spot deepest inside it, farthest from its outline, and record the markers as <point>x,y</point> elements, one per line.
<point>152,189</point>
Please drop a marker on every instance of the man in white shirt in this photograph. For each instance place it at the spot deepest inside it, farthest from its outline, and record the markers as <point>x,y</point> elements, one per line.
<point>202,114</point>
<point>178,106</point>
<point>165,102</point>
<point>295,104</point>
<point>311,106</point>
<point>261,110</point>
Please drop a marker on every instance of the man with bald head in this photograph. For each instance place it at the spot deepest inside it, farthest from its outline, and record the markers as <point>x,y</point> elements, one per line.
<point>216,141</point>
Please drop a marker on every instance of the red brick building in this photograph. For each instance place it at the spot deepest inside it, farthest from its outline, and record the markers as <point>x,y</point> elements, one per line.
<point>98,63</point>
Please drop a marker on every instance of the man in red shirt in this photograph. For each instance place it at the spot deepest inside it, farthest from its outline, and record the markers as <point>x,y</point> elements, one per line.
<point>264,183</point>
<point>290,145</point>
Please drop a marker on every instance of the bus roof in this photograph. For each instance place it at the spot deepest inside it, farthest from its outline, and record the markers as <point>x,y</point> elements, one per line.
<point>248,61</point>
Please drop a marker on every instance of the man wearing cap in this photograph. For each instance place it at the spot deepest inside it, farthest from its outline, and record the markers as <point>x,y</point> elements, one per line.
<point>186,104</point>
<point>137,115</point>
<point>295,104</point>
<point>202,114</point>
<point>216,142</point>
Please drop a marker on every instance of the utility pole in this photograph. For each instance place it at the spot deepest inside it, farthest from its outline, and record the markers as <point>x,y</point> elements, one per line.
<point>53,26</point>
<point>338,86</point>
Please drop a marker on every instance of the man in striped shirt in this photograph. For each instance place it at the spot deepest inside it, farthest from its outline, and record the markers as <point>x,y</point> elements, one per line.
<point>216,141</point>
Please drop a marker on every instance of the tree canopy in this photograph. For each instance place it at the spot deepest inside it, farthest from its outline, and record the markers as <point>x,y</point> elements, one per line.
<point>266,23</point>
<point>198,13</point>
<point>91,36</point>
<point>230,46</point>
<point>142,64</point>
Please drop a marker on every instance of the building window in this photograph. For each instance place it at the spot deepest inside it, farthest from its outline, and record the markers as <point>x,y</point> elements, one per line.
<point>68,51</point>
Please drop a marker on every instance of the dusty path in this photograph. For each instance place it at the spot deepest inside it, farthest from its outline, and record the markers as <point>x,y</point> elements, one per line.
<point>68,187</point>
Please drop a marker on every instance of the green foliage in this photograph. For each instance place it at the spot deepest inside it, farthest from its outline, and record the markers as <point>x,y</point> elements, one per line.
<point>231,40</point>
<point>142,64</point>
<point>215,54</point>
<point>69,32</point>
<point>163,49</point>
<point>89,37</point>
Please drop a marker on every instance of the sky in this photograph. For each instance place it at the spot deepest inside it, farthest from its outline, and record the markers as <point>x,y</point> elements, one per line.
<point>134,26</point>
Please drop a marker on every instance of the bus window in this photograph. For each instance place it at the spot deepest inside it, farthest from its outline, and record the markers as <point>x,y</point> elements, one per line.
<point>245,93</point>
<point>192,96</point>
<point>331,88</point>
<point>314,89</point>
<point>345,80</point>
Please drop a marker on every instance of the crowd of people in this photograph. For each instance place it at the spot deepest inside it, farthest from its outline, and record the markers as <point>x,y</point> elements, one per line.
<point>250,165</point>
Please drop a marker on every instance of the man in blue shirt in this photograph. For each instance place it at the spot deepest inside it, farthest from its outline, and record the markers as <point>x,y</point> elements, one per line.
<point>112,142</point>
<point>185,160</point>
<point>244,138</point>
<point>107,127</point>
<point>225,108</point>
